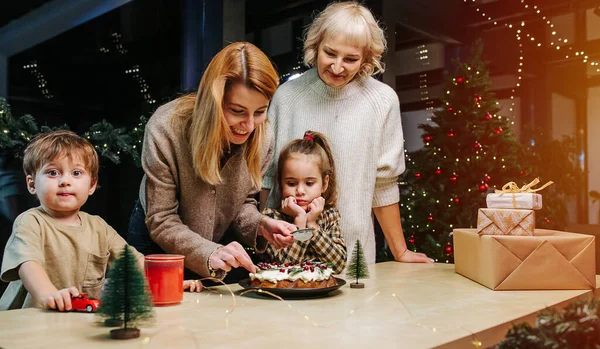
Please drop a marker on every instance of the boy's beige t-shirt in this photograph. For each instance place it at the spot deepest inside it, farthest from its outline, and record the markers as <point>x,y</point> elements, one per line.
<point>71,256</point>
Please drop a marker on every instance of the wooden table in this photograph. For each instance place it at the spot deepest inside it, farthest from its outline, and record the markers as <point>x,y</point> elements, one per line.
<point>402,306</point>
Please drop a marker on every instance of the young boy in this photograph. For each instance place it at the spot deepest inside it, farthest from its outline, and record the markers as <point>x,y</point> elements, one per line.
<point>55,250</point>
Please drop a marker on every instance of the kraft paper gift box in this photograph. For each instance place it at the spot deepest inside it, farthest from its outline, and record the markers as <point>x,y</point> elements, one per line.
<point>499,221</point>
<point>528,201</point>
<point>549,260</point>
<point>587,229</point>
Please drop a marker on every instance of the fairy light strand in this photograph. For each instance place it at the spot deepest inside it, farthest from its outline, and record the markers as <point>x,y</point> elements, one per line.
<point>134,71</point>
<point>34,70</point>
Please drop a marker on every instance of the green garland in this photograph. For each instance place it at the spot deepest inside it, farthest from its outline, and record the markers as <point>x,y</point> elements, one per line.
<point>577,326</point>
<point>109,141</point>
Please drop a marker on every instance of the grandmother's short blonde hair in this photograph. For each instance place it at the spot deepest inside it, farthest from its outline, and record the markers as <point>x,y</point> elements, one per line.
<point>356,24</point>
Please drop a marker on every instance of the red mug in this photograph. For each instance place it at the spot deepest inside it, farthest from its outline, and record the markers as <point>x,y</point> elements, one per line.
<point>165,277</point>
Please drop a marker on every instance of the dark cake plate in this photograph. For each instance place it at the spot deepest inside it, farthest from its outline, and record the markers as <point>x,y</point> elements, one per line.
<point>293,293</point>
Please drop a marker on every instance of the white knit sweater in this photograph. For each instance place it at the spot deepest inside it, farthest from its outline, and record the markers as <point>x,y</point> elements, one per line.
<point>362,122</point>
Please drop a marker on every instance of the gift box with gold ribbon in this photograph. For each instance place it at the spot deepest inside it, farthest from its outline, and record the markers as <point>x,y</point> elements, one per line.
<point>513,196</point>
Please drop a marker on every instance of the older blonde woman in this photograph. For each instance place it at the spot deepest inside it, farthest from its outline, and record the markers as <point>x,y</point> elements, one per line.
<point>203,157</point>
<point>359,115</point>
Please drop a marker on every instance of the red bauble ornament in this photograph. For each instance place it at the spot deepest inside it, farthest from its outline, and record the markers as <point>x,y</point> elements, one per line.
<point>488,116</point>
<point>460,79</point>
<point>498,130</point>
<point>430,218</point>
<point>450,108</point>
<point>453,178</point>
<point>449,249</point>
<point>477,145</point>
<point>418,175</point>
<point>486,178</point>
<point>457,200</point>
<point>451,134</point>
<point>411,239</point>
<point>427,138</point>
<point>483,187</point>
<point>438,171</point>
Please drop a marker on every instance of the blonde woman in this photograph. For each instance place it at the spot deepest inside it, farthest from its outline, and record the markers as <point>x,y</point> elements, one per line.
<point>360,116</point>
<point>203,158</point>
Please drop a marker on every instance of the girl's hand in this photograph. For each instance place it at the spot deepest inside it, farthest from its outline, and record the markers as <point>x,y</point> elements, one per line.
<point>291,208</point>
<point>192,285</point>
<point>276,232</point>
<point>314,210</point>
<point>61,299</point>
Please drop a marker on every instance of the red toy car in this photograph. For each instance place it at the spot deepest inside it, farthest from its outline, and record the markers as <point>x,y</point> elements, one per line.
<point>83,303</point>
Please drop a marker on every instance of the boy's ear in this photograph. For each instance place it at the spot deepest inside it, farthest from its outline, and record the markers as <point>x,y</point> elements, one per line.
<point>325,184</point>
<point>93,187</point>
<point>30,184</point>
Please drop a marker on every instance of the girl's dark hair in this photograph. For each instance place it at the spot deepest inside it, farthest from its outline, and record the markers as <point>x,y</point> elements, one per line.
<point>313,143</point>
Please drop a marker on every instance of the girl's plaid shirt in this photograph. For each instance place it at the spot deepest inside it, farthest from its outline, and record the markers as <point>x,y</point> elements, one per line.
<point>326,245</point>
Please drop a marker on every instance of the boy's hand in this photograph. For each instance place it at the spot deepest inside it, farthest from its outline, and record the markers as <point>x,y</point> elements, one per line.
<point>314,210</point>
<point>61,299</point>
<point>291,208</point>
<point>192,285</point>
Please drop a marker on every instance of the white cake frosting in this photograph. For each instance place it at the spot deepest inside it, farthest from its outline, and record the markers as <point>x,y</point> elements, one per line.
<point>306,271</point>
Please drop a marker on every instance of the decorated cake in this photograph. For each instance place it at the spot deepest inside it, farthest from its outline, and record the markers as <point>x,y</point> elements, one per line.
<point>307,274</point>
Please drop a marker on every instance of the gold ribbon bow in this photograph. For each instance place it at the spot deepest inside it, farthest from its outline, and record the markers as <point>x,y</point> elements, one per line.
<point>513,188</point>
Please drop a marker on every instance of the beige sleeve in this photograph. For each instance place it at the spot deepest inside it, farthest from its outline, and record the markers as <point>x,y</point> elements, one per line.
<point>116,244</point>
<point>25,244</point>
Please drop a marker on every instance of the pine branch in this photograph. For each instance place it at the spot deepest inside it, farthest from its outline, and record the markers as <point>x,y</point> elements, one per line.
<point>109,141</point>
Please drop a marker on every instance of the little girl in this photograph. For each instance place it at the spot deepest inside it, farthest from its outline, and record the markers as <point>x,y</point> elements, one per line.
<point>306,182</point>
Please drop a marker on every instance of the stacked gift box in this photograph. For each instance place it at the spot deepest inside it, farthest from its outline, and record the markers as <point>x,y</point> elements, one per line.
<point>507,252</point>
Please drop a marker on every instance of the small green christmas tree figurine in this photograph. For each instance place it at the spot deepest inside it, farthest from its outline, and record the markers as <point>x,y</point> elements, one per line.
<point>357,268</point>
<point>126,298</point>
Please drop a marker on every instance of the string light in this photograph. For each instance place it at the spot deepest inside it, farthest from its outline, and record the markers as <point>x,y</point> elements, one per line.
<point>134,71</point>
<point>422,57</point>
<point>556,40</point>
<point>32,67</point>
<point>116,38</point>
<point>296,72</point>
<point>521,60</point>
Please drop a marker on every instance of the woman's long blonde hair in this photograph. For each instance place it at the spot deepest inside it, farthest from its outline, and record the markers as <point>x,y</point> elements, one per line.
<point>202,115</point>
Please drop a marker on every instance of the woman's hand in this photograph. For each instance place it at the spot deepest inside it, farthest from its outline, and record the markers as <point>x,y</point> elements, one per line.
<point>231,256</point>
<point>192,285</point>
<point>276,232</point>
<point>61,299</point>
<point>413,257</point>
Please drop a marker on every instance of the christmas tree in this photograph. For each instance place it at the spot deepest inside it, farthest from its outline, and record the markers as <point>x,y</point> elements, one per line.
<point>126,297</point>
<point>357,267</point>
<point>468,149</point>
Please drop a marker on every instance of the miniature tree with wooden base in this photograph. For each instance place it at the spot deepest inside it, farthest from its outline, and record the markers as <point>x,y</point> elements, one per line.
<point>357,268</point>
<point>126,297</point>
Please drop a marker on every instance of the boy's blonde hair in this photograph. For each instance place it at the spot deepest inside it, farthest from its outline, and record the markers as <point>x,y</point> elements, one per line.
<point>313,143</point>
<point>355,24</point>
<point>202,114</point>
<point>48,146</point>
